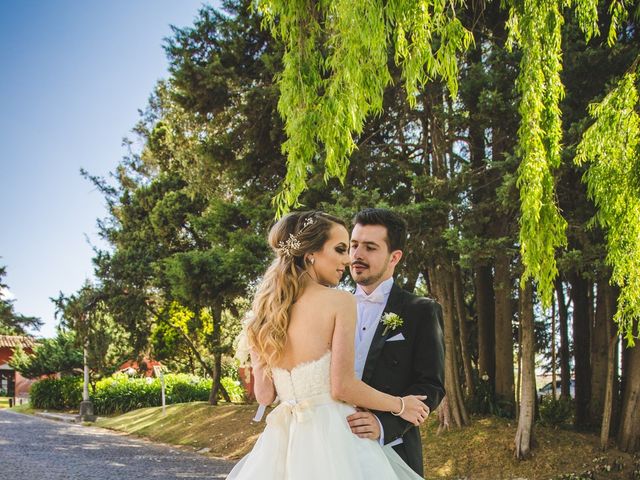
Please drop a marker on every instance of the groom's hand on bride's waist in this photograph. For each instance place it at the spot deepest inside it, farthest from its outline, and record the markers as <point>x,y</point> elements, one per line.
<point>364,424</point>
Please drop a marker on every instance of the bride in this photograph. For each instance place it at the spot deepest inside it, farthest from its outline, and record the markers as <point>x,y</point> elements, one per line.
<point>301,337</point>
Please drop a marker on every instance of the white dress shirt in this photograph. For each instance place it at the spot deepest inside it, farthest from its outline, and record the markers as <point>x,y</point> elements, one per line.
<point>370,308</point>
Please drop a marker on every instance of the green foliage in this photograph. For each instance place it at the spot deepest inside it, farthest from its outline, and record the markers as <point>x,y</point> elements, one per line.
<point>234,389</point>
<point>120,393</point>
<point>619,14</point>
<point>612,147</point>
<point>484,401</point>
<point>335,71</point>
<point>222,87</point>
<point>555,412</point>
<point>12,323</point>
<point>60,354</point>
<point>86,314</point>
<point>536,28</point>
<point>56,393</point>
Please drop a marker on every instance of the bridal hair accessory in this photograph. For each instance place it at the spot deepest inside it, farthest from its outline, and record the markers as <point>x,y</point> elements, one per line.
<point>391,321</point>
<point>292,244</point>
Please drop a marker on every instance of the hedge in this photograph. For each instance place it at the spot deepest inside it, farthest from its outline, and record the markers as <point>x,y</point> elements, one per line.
<point>120,393</point>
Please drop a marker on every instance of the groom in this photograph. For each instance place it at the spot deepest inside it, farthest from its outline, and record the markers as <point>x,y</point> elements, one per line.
<point>401,360</point>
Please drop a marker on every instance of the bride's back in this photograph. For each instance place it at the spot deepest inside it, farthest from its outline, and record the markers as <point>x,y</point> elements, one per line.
<point>311,324</point>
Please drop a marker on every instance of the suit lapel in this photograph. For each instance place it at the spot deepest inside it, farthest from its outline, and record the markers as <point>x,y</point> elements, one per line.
<point>394,305</point>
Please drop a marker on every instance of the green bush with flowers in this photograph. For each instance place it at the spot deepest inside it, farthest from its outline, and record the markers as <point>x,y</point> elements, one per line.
<point>121,393</point>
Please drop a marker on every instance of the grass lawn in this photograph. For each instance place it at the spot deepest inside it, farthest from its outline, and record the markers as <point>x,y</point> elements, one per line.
<point>226,429</point>
<point>25,408</point>
<point>4,402</point>
<point>484,450</point>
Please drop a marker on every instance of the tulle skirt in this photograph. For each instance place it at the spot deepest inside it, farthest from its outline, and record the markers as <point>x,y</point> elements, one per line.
<point>311,440</point>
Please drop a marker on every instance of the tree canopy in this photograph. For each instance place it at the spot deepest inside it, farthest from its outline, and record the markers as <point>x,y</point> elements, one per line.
<point>336,69</point>
<point>11,322</point>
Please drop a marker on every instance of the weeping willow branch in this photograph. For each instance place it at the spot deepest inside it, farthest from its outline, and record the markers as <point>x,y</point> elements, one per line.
<point>335,71</point>
<point>611,146</point>
<point>535,26</point>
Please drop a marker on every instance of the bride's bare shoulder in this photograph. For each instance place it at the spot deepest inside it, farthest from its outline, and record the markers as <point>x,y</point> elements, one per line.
<point>340,298</point>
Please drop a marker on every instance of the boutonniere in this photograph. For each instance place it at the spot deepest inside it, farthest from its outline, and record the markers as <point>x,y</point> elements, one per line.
<point>391,321</point>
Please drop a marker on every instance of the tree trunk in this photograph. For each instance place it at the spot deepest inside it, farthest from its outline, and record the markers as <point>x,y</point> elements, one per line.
<point>444,416</point>
<point>611,303</point>
<point>525,439</point>
<point>443,283</point>
<point>217,387</point>
<point>611,387</point>
<point>581,348</point>
<point>563,324</point>
<point>441,267</point>
<point>483,282</point>
<point>554,354</point>
<point>629,434</point>
<point>600,340</point>
<point>607,409</point>
<point>464,333</point>
<point>212,372</point>
<point>504,382</point>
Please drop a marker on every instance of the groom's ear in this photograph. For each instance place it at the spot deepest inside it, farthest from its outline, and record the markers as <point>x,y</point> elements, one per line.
<point>396,256</point>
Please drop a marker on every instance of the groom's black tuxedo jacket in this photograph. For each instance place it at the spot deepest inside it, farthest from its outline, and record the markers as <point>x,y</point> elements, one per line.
<point>413,366</point>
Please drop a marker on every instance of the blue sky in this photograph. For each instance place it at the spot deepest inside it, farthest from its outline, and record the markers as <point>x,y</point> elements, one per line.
<point>74,74</point>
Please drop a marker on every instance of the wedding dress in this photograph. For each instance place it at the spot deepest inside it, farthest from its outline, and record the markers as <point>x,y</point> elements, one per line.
<point>307,436</point>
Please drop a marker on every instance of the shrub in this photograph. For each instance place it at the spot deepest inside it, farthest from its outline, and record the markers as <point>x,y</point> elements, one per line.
<point>234,389</point>
<point>57,394</point>
<point>120,393</point>
<point>555,412</point>
<point>182,388</point>
<point>484,401</point>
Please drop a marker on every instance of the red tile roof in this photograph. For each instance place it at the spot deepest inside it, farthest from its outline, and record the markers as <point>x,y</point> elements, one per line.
<point>12,341</point>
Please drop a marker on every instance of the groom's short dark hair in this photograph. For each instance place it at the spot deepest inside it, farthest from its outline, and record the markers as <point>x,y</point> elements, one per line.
<point>396,225</point>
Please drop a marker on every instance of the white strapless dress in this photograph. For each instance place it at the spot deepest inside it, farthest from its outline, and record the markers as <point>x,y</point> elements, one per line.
<point>307,436</point>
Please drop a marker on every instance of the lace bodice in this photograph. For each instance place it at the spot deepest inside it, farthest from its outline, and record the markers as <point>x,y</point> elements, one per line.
<point>304,380</point>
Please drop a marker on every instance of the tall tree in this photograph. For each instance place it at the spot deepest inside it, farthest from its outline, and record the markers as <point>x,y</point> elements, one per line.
<point>58,355</point>
<point>11,322</point>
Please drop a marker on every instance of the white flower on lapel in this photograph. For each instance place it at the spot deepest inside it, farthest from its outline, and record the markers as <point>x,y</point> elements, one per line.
<point>391,321</point>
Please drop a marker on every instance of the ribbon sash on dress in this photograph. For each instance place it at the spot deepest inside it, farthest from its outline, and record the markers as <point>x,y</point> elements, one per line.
<point>288,410</point>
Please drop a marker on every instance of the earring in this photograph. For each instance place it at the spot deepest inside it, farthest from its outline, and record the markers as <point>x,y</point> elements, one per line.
<point>311,260</point>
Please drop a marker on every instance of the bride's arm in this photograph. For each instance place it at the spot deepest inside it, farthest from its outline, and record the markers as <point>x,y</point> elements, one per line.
<point>262,384</point>
<point>344,384</point>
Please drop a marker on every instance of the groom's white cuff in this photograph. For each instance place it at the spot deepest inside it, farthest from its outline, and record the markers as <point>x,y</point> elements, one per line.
<point>381,439</point>
<point>397,441</point>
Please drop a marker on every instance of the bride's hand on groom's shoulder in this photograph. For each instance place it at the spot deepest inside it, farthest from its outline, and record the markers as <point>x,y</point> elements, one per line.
<point>414,409</point>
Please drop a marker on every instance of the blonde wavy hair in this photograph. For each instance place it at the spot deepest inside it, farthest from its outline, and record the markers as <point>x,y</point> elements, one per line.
<point>280,287</point>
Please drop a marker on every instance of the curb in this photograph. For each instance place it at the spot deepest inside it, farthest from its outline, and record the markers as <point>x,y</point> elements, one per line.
<point>60,417</point>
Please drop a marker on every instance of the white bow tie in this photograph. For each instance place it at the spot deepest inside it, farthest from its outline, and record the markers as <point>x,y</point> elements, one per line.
<point>375,297</point>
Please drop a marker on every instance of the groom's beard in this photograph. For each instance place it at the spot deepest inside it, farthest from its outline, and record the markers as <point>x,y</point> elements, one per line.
<point>367,277</point>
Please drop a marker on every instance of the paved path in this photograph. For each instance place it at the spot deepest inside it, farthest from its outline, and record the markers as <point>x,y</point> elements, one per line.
<point>33,448</point>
